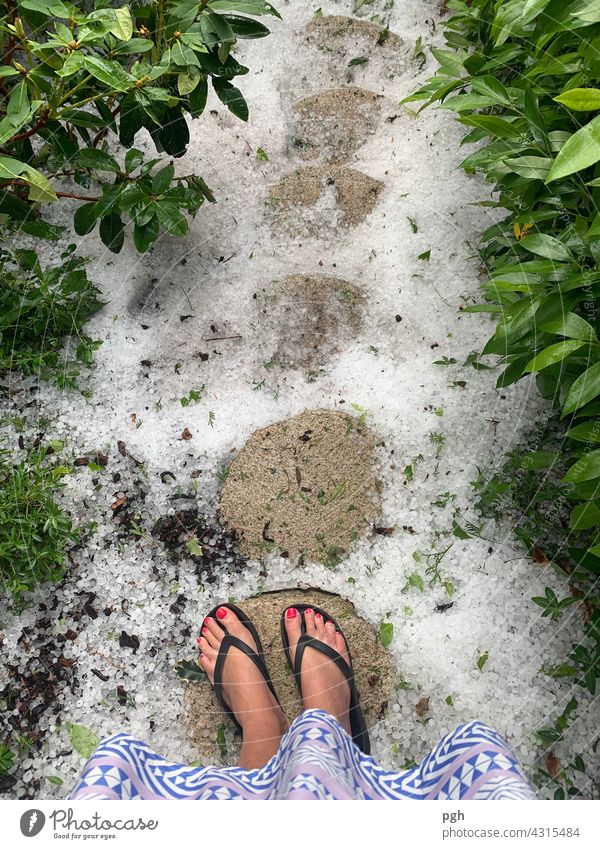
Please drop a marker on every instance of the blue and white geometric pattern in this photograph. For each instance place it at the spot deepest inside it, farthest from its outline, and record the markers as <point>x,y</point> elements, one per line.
<point>316,760</point>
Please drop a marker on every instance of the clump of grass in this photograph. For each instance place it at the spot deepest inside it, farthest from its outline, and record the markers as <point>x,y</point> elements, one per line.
<point>35,533</point>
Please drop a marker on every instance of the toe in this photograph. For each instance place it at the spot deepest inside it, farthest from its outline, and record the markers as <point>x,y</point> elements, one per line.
<point>208,660</point>
<point>233,626</point>
<point>210,638</point>
<point>292,629</point>
<point>216,633</point>
<point>320,626</point>
<point>340,644</point>
<point>309,619</point>
<point>330,634</point>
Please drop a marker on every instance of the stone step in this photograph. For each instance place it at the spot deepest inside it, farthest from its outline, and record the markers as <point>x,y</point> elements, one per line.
<point>331,125</point>
<point>314,316</point>
<point>341,40</point>
<point>319,199</point>
<point>304,487</point>
<point>371,662</point>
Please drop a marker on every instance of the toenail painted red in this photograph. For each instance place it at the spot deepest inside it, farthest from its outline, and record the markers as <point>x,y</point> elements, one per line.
<point>291,613</point>
<point>308,610</point>
<point>318,616</point>
<point>198,640</point>
<point>221,613</point>
<point>204,630</point>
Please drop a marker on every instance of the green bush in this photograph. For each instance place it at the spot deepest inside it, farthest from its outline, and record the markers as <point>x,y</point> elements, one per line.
<point>519,76</point>
<point>74,79</point>
<point>38,308</point>
<point>34,532</point>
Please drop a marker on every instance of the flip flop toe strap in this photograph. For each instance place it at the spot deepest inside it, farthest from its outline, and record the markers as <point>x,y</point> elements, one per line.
<point>228,642</point>
<point>305,642</point>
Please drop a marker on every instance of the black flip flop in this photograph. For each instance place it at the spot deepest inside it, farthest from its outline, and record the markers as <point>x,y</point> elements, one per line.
<point>358,726</point>
<point>230,641</point>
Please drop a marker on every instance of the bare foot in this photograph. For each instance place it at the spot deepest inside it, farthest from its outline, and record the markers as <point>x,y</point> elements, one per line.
<point>244,688</point>
<point>323,684</point>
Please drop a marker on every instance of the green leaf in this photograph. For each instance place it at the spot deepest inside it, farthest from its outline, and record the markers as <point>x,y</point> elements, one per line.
<point>588,11</point>
<point>571,325</point>
<point>231,97</point>
<point>537,460</point>
<point>482,660</point>
<point>458,531</point>
<point>530,167</point>
<point>547,246</point>
<point>133,159</point>
<point>145,235</point>
<point>7,759</point>
<point>109,73</point>
<point>583,390</point>
<point>553,354</point>
<point>580,151</point>
<point>162,180</point>
<point>493,125</point>
<point>174,134</point>
<point>97,159</point>
<point>246,27</point>
<point>249,7</point>
<point>54,779</point>
<point>197,98</point>
<point>123,29</point>
<point>386,633</point>
<point>586,468</point>
<point>40,188</point>
<point>190,671</point>
<point>586,432</point>
<point>186,83</point>
<point>170,217</point>
<point>194,548</point>
<point>84,218</point>
<point>580,99</point>
<point>586,515</point>
<point>82,739</point>
<point>112,232</point>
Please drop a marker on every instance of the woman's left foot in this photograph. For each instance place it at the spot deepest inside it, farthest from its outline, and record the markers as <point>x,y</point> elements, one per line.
<point>244,689</point>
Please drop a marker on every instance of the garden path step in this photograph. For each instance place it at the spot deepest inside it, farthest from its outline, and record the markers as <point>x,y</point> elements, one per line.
<point>351,46</point>
<point>331,125</point>
<point>304,486</point>
<point>314,316</point>
<point>372,664</point>
<point>321,199</point>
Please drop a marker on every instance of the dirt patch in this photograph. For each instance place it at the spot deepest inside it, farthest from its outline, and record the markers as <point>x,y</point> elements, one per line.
<point>334,123</point>
<point>188,534</point>
<point>315,316</point>
<point>345,197</point>
<point>304,487</point>
<point>372,665</point>
<point>343,39</point>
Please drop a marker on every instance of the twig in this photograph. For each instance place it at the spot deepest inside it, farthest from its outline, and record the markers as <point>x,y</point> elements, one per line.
<point>220,338</point>
<point>186,297</point>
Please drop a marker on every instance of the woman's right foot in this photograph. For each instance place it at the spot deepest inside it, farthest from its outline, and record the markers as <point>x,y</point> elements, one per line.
<point>324,686</point>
